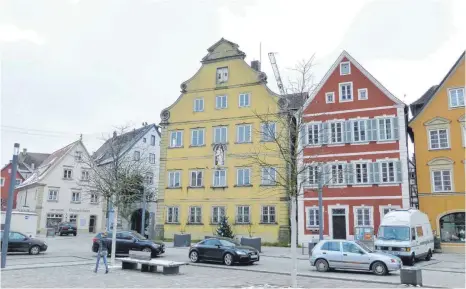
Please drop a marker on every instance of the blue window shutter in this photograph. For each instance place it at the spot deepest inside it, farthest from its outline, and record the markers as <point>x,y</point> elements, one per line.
<point>399,175</point>
<point>349,173</point>
<point>348,131</point>
<point>324,133</point>
<point>374,132</point>
<point>396,129</point>
<point>376,172</point>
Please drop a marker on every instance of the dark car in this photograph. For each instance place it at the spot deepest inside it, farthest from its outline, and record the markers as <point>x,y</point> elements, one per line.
<point>18,242</point>
<point>67,229</point>
<point>129,240</point>
<point>223,250</point>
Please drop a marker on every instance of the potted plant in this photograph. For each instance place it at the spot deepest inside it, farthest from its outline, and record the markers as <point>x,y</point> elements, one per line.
<point>182,239</point>
<point>251,241</point>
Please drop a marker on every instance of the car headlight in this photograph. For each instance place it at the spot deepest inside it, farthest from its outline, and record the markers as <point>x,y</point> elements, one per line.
<point>45,243</point>
<point>405,249</point>
<point>156,246</point>
<point>240,252</point>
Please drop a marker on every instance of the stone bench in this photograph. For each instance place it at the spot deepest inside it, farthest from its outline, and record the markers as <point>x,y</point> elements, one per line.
<point>148,264</point>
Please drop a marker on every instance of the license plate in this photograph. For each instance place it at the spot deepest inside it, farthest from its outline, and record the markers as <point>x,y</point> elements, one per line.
<point>254,257</point>
<point>391,252</point>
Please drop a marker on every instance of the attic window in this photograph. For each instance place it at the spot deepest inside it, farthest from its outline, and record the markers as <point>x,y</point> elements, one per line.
<point>345,68</point>
<point>222,75</point>
<point>78,156</point>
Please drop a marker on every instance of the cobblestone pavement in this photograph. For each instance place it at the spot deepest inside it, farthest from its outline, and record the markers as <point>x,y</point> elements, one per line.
<point>191,276</point>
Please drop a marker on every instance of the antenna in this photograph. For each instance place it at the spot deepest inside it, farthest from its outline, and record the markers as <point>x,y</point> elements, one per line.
<point>260,52</point>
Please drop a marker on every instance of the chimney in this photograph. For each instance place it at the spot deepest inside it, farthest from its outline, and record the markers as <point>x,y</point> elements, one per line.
<point>32,166</point>
<point>114,133</point>
<point>256,65</point>
<point>25,150</point>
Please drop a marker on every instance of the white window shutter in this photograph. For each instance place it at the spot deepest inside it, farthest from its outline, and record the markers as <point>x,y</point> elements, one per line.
<point>369,129</point>
<point>399,174</point>
<point>374,132</point>
<point>326,173</point>
<point>324,133</point>
<point>375,171</point>
<point>396,129</point>
<point>348,131</point>
<point>349,173</point>
<point>302,134</point>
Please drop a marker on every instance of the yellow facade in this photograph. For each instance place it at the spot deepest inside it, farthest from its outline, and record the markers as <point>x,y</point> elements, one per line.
<point>439,140</point>
<point>186,157</point>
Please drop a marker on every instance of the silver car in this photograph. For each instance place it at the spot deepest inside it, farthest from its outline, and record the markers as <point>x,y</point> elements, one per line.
<point>352,255</point>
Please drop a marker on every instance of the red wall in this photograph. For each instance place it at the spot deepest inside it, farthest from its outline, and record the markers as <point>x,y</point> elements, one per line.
<point>6,186</point>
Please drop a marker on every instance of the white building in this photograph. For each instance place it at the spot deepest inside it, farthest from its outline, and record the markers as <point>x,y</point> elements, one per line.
<point>139,145</point>
<point>57,191</point>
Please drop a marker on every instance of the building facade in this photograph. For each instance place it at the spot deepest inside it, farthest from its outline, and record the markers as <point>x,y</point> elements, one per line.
<point>438,128</point>
<point>354,138</point>
<point>5,181</point>
<point>57,192</point>
<point>209,137</point>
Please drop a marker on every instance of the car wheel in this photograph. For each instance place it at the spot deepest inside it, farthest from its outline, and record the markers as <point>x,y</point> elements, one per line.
<point>412,260</point>
<point>228,259</point>
<point>379,268</point>
<point>194,256</point>
<point>322,265</point>
<point>147,249</point>
<point>74,234</point>
<point>34,250</point>
<point>429,255</point>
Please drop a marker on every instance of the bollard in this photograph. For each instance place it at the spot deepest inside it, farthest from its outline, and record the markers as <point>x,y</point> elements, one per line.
<point>411,276</point>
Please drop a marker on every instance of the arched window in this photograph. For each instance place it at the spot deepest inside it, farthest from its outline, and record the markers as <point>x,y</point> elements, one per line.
<point>452,227</point>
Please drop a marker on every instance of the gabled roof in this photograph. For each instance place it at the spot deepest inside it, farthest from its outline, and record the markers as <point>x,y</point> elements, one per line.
<point>353,61</point>
<point>26,159</point>
<point>213,56</point>
<point>427,97</point>
<point>296,100</point>
<point>48,164</point>
<point>126,141</point>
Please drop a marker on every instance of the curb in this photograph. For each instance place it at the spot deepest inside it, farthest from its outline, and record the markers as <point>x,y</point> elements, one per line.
<point>20,267</point>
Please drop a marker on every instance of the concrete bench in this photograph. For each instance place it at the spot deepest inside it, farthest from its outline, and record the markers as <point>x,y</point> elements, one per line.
<point>148,264</point>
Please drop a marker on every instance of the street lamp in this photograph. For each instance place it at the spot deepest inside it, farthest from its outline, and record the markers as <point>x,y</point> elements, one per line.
<point>9,208</point>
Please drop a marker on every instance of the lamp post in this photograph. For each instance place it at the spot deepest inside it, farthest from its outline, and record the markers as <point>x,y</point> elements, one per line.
<point>9,208</point>
<point>143,221</point>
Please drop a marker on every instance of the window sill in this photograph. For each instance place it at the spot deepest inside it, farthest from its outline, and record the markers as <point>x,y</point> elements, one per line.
<point>75,202</point>
<point>455,107</point>
<point>246,142</point>
<point>313,145</point>
<point>53,201</point>
<point>82,180</point>
<point>65,179</point>
<point>218,187</point>
<point>389,185</point>
<point>173,188</point>
<point>267,141</point>
<point>312,228</point>
<point>266,185</point>
<point>336,145</point>
<point>198,146</point>
<point>345,100</point>
<point>311,186</point>
<point>195,224</point>
<point>167,223</point>
<point>359,143</point>
<point>440,149</point>
<point>202,187</point>
<point>274,223</point>
<point>221,108</point>
<point>198,110</point>
<point>242,186</point>
<point>176,147</point>
<point>220,143</point>
<point>244,106</point>
<point>361,185</point>
<point>242,224</point>
<point>386,141</point>
<point>337,186</point>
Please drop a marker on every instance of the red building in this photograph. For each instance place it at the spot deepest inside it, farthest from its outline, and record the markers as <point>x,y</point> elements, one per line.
<point>354,136</point>
<point>5,185</point>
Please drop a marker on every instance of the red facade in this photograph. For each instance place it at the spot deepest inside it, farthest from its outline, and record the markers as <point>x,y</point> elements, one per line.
<point>357,139</point>
<point>5,185</point>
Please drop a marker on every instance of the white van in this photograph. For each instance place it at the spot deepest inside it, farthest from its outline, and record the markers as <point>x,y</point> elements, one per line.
<point>406,234</point>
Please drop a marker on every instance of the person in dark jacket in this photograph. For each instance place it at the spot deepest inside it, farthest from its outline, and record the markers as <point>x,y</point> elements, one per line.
<point>103,252</point>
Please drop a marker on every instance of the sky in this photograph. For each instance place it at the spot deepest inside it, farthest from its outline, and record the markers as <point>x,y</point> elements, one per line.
<point>72,67</point>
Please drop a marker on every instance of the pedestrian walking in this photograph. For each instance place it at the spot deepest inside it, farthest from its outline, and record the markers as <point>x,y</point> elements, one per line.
<point>102,253</point>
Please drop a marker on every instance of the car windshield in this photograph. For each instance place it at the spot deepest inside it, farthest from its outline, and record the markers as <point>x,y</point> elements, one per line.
<point>397,233</point>
<point>364,247</point>
<point>228,243</point>
<point>139,236</point>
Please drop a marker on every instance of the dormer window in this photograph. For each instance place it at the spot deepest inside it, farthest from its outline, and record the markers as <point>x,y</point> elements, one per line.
<point>222,75</point>
<point>345,68</point>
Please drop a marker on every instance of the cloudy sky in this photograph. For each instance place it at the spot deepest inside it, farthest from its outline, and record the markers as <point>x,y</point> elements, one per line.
<point>71,67</point>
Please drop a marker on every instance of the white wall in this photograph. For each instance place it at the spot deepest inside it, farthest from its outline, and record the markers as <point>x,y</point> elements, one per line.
<point>23,222</point>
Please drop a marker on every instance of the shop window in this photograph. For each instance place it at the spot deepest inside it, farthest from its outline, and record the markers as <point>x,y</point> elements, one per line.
<point>452,227</point>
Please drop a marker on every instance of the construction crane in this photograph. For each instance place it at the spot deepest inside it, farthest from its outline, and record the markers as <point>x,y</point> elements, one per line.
<point>276,72</point>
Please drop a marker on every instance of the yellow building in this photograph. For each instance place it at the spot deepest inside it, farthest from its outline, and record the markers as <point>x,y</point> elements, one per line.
<point>209,135</point>
<point>438,126</point>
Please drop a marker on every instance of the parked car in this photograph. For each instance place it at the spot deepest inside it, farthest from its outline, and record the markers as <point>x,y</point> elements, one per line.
<point>406,234</point>
<point>223,250</point>
<point>129,240</point>
<point>352,255</point>
<point>67,229</point>
<point>18,242</point>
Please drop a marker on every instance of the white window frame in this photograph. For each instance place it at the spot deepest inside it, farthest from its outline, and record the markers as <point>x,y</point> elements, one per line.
<point>340,94</point>
<point>342,132</point>
<point>170,178</point>
<point>359,121</point>
<point>220,129</point>
<point>316,218</point>
<point>450,90</point>
<point>174,135</point>
<point>371,215</point>
<point>447,130</point>
<point>197,216</point>
<point>349,67</point>
<point>242,171</point>
<point>18,182</point>
<point>390,207</point>
<point>315,177</point>
<point>360,90</point>
<point>66,177</point>
<point>136,156</point>
<point>219,215</point>
<point>463,133</point>
<point>223,76</point>
<point>73,217</point>
<point>441,170</point>
<point>152,140</point>
<point>151,158</point>
<point>266,131</point>
<point>2,182</point>
<point>76,197</point>
<point>197,172</point>
<point>268,214</point>
<point>198,130</point>
<point>198,104</point>
<point>245,128</point>
<point>333,181</point>
<point>78,156</point>
<point>242,214</point>
<point>327,94</point>
<point>312,134</point>
<point>217,97</point>
<point>379,129</point>
<point>94,198</point>
<point>219,185</point>
<point>149,178</point>
<point>355,175</point>
<point>269,180</point>
<point>246,99</point>
<point>173,219</point>
<point>387,161</point>
<point>56,193</point>
<point>85,175</point>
